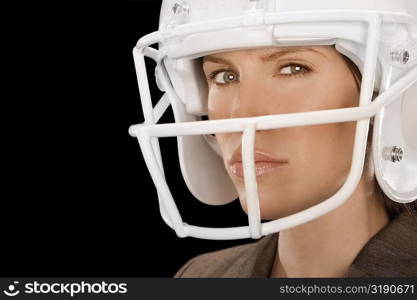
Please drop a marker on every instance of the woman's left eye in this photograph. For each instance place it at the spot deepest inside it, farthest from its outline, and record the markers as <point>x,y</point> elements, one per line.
<point>293,69</point>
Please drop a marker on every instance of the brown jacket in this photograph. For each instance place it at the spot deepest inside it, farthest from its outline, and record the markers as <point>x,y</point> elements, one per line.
<point>392,252</point>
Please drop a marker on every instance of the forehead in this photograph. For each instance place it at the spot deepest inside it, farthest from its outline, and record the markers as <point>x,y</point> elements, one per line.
<point>269,53</point>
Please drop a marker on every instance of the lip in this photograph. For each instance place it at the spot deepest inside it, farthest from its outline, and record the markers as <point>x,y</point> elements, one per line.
<point>264,163</point>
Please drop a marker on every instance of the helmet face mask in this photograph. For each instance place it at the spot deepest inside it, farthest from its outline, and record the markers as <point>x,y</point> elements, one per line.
<point>379,40</point>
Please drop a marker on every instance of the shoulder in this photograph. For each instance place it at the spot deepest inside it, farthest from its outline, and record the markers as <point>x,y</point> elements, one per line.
<point>390,253</point>
<point>212,264</point>
<point>237,261</point>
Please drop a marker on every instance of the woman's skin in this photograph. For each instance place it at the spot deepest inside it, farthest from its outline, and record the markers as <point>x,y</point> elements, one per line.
<point>311,162</point>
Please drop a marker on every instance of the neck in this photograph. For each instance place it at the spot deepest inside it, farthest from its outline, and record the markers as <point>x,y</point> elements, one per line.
<point>327,246</point>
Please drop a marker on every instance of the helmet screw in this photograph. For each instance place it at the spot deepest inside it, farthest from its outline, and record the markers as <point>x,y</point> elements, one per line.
<point>401,57</point>
<point>396,154</point>
<point>180,14</point>
<point>405,57</point>
<point>180,8</point>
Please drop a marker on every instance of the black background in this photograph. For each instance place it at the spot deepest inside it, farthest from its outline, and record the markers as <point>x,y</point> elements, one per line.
<point>77,199</point>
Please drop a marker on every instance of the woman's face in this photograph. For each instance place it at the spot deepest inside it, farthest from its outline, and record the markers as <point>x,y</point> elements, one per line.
<point>310,163</point>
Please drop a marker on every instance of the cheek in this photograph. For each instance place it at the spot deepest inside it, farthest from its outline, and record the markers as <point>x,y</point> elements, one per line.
<point>228,143</point>
<point>305,95</point>
<point>220,102</point>
<point>333,96</point>
<point>324,149</point>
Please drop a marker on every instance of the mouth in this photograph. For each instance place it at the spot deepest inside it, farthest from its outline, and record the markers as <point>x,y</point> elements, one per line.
<point>264,163</point>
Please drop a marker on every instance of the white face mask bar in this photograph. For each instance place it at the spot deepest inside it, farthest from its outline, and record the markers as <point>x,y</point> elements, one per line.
<point>149,132</point>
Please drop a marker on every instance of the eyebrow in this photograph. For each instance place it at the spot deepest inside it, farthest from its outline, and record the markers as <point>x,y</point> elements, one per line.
<point>267,57</point>
<point>286,51</point>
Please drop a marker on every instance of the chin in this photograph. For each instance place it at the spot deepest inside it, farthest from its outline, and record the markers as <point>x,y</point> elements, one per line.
<point>275,208</point>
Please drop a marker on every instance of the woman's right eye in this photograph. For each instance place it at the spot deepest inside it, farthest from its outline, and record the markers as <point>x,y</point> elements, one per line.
<point>224,77</point>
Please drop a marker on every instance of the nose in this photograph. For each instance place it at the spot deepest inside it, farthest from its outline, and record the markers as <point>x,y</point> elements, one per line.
<point>253,98</point>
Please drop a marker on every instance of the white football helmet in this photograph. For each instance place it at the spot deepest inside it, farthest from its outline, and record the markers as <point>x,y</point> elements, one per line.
<point>379,36</point>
